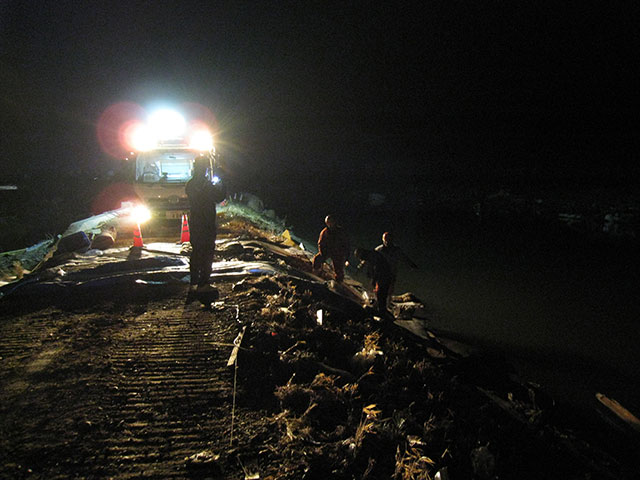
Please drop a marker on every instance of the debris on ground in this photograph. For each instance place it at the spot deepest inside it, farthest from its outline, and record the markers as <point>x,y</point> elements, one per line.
<point>107,372</point>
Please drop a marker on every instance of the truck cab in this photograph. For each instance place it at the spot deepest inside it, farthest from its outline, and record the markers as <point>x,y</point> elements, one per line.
<point>161,175</point>
<point>165,149</point>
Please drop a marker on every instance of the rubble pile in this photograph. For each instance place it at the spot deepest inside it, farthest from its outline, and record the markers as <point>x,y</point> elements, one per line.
<point>350,399</point>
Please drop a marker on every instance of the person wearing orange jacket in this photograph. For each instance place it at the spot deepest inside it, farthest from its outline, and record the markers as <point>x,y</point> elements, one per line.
<point>333,243</point>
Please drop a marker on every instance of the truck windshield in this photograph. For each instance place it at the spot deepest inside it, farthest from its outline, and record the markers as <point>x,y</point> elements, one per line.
<point>165,166</point>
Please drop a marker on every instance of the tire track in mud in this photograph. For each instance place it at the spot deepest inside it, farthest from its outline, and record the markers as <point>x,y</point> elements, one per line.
<point>127,398</point>
<point>172,391</point>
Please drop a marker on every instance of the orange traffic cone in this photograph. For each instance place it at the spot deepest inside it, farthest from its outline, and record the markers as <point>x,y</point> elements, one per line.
<point>184,234</point>
<point>137,236</point>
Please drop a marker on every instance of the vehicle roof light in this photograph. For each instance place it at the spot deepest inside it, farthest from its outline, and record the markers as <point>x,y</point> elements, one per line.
<point>167,124</point>
<point>201,140</point>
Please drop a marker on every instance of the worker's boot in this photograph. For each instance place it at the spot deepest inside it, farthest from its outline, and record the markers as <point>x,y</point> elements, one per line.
<point>207,294</point>
<point>192,294</point>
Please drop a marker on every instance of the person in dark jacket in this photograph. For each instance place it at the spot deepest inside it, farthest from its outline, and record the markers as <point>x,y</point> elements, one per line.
<point>379,270</point>
<point>203,196</point>
<point>333,243</point>
<point>394,255</point>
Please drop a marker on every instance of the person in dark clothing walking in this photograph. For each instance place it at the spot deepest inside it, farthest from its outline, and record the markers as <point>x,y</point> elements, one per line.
<point>333,243</point>
<point>394,255</point>
<point>379,270</point>
<point>203,196</point>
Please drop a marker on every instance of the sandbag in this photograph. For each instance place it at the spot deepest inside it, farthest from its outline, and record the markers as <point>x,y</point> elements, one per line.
<point>76,242</point>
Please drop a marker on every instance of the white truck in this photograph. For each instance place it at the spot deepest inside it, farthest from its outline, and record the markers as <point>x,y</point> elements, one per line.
<point>161,175</point>
<point>164,156</point>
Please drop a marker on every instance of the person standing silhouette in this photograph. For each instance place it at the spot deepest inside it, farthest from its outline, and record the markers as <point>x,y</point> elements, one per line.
<point>203,196</point>
<point>379,270</point>
<point>394,255</point>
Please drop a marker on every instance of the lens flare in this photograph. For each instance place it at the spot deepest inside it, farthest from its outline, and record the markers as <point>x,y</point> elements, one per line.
<point>199,113</point>
<point>167,124</point>
<point>112,126</point>
<point>140,214</point>
<point>201,140</point>
<point>140,137</point>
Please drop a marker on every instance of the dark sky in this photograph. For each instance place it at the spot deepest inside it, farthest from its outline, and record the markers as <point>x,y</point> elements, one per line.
<point>450,91</point>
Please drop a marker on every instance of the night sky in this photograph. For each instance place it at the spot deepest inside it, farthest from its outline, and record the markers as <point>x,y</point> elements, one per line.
<point>335,93</point>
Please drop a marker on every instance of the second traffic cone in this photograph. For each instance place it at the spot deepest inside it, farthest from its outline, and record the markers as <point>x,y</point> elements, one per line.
<point>137,236</point>
<point>184,234</point>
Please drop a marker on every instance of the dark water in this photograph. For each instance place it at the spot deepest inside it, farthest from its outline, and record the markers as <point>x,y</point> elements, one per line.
<point>564,308</point>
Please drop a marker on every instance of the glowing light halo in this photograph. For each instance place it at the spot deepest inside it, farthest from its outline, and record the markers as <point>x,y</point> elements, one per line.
<point>200,114</point>
<point>112,124</point>
<point>167,124</point>
<point>201,140</point>
<point>140,137</point>
<point>126,127</point>
<point>140,214</point>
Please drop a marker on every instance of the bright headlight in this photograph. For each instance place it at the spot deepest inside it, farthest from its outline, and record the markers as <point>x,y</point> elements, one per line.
<point>201,140</point>
<point>140,214</point>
